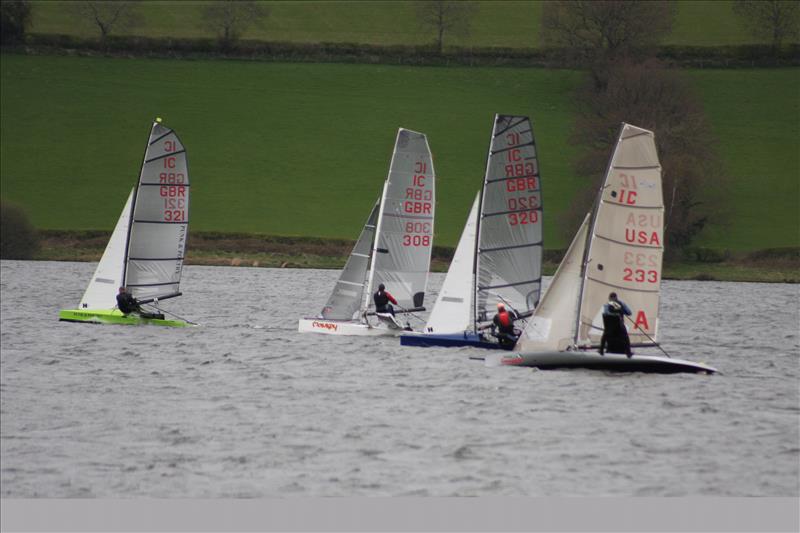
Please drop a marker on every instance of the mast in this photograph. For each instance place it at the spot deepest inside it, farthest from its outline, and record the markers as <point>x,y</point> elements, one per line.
<point>588,248</point>
<point>374,250</point>
<point>133,206</point>
<point>478,233</point>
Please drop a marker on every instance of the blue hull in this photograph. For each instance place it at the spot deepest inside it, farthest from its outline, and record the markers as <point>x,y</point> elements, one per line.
<point>427,340</point>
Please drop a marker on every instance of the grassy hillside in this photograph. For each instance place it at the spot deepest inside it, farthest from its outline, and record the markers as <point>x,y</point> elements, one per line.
<point>507,23</point>
<point>302,149</point>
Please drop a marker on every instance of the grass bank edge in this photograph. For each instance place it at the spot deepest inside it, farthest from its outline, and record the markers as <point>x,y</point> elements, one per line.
<point>774,265</point>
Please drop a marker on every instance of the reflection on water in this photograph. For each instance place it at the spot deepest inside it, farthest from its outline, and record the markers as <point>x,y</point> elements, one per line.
<point>245,406</point>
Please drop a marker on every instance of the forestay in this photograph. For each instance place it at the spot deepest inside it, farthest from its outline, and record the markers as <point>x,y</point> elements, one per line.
<point>510,230</point>
<point>157,236</point>
<point>108,276</point>
<point>348,294</point>
<point>453,309</point>
<point>552,326</point>
<point>626,244</point>
<point>404,239</point>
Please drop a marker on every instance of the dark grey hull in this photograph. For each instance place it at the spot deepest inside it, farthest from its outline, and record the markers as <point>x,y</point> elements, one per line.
<point>595,361</point>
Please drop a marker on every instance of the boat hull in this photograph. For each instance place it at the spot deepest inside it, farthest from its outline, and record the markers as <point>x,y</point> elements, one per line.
<point>114,316</point>
<point>595,361</point>
<point>345,327</point>
<point>449,340</point>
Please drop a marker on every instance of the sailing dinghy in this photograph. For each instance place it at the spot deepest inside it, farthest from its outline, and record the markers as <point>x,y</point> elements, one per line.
<point>146,249</point>
<point>394,249</point>
<point>499,255</point>
<point>618,248</point>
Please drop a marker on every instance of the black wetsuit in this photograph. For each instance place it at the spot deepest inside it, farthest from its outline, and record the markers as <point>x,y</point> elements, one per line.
<point>127,303</point>
<point>382,299</point>
<point>615,337</point>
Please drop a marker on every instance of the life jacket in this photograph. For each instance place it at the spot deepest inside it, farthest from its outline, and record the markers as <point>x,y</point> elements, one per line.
<point>504,320</point>
<point>381,300</point>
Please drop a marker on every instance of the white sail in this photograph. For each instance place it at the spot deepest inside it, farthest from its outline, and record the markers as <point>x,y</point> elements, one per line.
<point>452,312</point>
<point>510,229</point>
<point>552,326</point>
<point>348,294</point>
<point>404,238</point>
<point>108,276</point>
<point>626,243</point>
<point>157,237</point>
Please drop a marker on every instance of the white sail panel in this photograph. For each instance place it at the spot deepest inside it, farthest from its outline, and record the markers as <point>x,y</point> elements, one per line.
<point>510,230</point>
<point>626,245</point>
<point>404,239</point>
<point>348,293</point>
<point>108,276</point>
<point>552,326</point>
<point>452,312</point>
<point>157,239</point>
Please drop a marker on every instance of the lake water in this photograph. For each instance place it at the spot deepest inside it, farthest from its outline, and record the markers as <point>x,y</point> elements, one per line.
<point>245,406</point>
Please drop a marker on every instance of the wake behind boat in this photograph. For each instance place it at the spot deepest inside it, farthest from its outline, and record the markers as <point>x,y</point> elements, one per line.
<point>618,248</point>
<point>499,255</point>
<point>146,249</point>
<point>394,249</point>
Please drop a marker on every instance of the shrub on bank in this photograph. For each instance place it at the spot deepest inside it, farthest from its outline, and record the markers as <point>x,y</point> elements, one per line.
<point>18,238</point>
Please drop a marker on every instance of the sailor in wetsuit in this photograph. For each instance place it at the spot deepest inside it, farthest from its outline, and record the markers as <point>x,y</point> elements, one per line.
<point>382,299</point>
<point>126,302</point>
<point>615,336</point>
<point>504,322</point>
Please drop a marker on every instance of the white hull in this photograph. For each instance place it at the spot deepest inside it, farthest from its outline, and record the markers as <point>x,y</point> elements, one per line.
<point>344,327</point>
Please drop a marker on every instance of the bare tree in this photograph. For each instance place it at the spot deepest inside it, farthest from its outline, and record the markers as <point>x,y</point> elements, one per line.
<point>108,16</point>
<point>445,17</point>
<point>605,28</point>
<point>228,19</point>
<point>16,17</point>
<point>774,20</point>
<point>659,99</point>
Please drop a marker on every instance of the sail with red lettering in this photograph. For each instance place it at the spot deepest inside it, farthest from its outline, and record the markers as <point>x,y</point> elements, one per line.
<point>509,242</point>
<point>160,218</point>
<point>625,246</point>
<point>401,253</point>
<point>346,299</point>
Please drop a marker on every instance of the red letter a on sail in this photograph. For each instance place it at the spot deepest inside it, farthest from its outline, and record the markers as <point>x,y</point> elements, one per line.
<point>641,321</point>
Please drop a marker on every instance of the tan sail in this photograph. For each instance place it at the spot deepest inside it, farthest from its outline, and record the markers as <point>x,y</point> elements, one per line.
<point>552,326</point>
<point>627,240</point>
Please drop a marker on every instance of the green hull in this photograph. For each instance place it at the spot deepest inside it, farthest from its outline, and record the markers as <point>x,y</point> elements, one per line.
<point>114,316</point>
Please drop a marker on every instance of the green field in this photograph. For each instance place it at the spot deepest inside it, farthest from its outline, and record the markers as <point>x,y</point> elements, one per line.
<point>303,149</point>
<point>506,23</point>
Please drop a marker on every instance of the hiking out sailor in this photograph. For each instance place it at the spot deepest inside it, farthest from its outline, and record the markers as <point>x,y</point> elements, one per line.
<point>504,322</point>
<point>126,302</point>
<point>382,299</point>
<point>615,336</point>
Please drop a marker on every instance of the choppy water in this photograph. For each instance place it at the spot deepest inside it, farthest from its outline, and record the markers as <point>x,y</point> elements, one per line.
<point>245,406</point>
